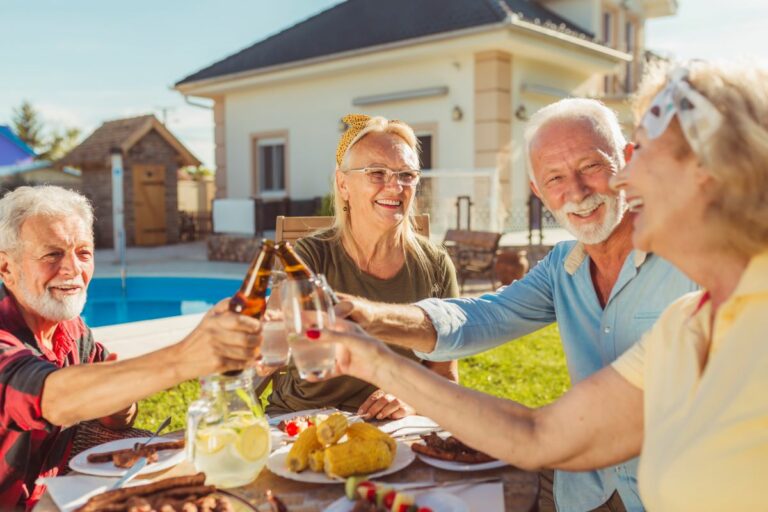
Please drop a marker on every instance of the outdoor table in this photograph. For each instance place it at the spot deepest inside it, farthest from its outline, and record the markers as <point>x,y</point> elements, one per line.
<point>521,488</point>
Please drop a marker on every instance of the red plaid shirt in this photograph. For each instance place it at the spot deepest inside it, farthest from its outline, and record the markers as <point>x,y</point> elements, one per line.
<point>31,447</point>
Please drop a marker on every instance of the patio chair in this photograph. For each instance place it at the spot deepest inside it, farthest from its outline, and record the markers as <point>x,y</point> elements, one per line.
<point>291,229</point>
<point>473,253</point>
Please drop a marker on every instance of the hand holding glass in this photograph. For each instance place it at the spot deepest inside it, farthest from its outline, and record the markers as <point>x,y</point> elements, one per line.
<point>307,311</point>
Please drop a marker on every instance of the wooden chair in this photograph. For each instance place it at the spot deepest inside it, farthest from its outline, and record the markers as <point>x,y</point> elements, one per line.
<point>473,254</point>
<point>291,229</point>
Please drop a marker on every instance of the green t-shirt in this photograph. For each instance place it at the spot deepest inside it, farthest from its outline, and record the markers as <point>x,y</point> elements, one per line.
<point>410,284</point>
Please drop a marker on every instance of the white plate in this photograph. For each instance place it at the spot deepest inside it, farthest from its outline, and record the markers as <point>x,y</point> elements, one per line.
<point>274,420</point>
<point>436,500</point>
<point>460,466</point>
<point>276,464</point>
<point>166,458</point>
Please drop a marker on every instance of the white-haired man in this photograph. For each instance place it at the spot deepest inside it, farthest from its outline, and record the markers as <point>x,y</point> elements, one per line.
<point>602,293</point>
<point>52,372</point>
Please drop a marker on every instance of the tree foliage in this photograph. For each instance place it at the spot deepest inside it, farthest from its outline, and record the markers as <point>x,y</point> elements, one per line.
<point>30,128</point>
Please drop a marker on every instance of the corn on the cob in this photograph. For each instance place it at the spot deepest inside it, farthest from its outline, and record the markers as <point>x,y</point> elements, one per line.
<point>298,457</point>
<point>317,460</point>
<point>356,457</point>
<point>368,431</point>
<point>332,429</point>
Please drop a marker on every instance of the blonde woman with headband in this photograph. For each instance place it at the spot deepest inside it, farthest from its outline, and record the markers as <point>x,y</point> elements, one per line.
<point>371,251</point>
<point>690,398</point>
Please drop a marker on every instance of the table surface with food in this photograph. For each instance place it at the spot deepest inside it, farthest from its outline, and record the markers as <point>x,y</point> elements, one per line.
<point>411,466</point>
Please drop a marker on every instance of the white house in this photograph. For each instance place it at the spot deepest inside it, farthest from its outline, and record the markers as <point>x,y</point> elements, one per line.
<point>464,73</point>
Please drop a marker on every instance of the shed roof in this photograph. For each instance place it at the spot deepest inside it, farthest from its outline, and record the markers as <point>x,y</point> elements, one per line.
<point>357,24</point>
<point>123,134</point>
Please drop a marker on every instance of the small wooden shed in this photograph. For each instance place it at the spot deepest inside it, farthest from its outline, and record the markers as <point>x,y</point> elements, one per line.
<point>152,155</point>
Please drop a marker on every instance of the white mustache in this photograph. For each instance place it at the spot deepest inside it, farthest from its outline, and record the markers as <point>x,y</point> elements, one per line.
<point>589,203</point>
<point>69,282</point>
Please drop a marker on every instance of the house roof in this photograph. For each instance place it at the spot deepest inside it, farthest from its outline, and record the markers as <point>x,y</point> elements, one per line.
<point>357,24</point>
<point>13,150</point>
<point>123,134</point>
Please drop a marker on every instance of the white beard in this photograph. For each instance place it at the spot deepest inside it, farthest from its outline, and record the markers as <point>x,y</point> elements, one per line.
<point>594,233</point>
<point>51,308</point>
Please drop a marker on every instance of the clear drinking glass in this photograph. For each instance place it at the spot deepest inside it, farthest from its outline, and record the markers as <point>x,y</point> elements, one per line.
<point>307,311</point>
<point>274,348</point>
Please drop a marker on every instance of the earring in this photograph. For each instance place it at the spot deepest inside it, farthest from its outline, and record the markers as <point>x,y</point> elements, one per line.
<point>346,207</point>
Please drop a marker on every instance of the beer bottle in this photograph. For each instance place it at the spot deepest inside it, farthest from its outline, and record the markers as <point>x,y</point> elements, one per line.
<point>295,268</point>
<point>251,299</point>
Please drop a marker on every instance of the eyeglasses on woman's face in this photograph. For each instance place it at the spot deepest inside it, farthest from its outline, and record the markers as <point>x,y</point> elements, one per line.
<point>383,175</point>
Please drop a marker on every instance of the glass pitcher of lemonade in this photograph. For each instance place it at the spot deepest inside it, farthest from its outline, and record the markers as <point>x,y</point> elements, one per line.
<point>227,433</point>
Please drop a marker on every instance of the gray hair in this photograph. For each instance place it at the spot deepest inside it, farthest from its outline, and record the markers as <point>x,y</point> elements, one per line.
<point>25,202</point>
<point>738,151</point>
<point>603,119</point>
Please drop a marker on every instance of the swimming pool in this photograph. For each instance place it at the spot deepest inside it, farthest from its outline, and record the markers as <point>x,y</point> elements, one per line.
<point>147,298</point>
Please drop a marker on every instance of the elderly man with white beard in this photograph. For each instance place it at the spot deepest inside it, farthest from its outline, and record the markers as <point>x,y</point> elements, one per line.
<point>601,292</point>
<point>53,374</point>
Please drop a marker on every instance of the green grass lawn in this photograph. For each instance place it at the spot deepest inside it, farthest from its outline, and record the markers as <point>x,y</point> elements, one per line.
<point>530,370</point>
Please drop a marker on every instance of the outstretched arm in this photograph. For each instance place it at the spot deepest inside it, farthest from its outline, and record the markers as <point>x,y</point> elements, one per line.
<point>441,330</point>
<point>222,341</point>
<point>405,325</point>
<point>597,423</point>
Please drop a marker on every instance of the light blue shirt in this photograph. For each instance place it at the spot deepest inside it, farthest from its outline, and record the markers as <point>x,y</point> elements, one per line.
<point>560,289</point>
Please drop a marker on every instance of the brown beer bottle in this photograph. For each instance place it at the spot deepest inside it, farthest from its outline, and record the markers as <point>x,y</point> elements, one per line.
<point>295,268</point>
<point>293,265</point>
<point>251,299</point>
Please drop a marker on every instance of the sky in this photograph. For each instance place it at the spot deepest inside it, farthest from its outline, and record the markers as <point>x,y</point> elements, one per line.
<point>82,62</point>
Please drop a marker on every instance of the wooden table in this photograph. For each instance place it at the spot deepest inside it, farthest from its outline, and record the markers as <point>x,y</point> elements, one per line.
<point>521,488</point>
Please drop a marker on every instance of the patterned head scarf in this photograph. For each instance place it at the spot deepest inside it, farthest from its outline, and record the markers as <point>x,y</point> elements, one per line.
<point>358,126</point>
<point>698,117</point>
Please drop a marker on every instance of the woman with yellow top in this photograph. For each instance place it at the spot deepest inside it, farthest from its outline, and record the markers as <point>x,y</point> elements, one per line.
<point>691,398</point>
<point>371,251</point>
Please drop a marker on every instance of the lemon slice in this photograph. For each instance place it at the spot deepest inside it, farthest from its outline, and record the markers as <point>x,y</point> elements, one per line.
<point>253,443</point>
<point>212,440</point>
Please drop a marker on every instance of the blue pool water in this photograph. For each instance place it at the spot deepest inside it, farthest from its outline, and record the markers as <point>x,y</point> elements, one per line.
<point>152,297</point>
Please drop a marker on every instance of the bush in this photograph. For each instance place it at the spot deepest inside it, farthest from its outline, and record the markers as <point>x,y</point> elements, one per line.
<point>326,206</point>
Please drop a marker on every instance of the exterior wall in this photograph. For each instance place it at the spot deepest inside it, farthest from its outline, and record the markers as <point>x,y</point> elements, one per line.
<point>310,111</point>
<point>220,141</point>
<point>153,149</point>
<point>535,86</point>
<point>196,196</point>
<point>97,186</point>
<point>493,115</point>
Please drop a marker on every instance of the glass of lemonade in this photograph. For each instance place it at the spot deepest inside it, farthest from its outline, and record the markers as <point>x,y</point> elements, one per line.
<point>307,311</point>
<point>227,434</point>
